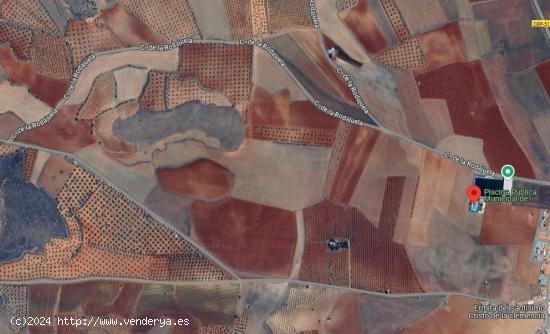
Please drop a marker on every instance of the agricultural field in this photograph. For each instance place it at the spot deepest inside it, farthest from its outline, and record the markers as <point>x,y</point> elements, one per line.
<point>274,166</point>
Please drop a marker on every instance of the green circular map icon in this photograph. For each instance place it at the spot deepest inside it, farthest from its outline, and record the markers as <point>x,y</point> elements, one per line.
<point>507,171</point>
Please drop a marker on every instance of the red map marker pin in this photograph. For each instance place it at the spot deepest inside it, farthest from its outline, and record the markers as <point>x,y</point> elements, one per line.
<point>473,193</point>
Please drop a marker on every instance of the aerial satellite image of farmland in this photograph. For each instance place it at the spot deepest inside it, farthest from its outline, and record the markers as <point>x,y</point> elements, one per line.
<point>274,166</point>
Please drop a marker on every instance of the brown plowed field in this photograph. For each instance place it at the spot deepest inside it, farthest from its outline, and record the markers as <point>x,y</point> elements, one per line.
<point>42,300</point>
<point>543,71</point>
<point>474,112</point>
<point>508,225</point>
<point>21,73</point>
<point>103,129</point>
<point>8,123</point>
<point>202,179</point>
<point>376,262</point>
<point>129,29</point>
<point>62,133</point>
<point>55,173</point>
<point>212,305</point>
<point>441,47</point>
<point>102,97</point>
<point>358,145</point>
<point>249,237</point>
<point>278,110</point>
<point>361,20</point>
<point>276,118</point>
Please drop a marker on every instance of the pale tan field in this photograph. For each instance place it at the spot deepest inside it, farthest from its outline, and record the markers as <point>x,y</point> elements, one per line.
<point>389,157</point>
<point>421,15</point>
<point>18,100</point>
<point>269,75</point>
<point>137,180</point>
<point>129,82</point>
<point>38,166</point>
<point>284,176</point>
<point>427,120</point>
<point>108,61</point>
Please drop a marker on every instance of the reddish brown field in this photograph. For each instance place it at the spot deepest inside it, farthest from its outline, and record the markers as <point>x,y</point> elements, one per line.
<point>543,71</point>
<point>278,110</point>
<point>329,314</point>
<point>360,19</point>
<point>103,129</point>
<point>128,28</point>
<point>249,237</point>
<point>442,46</point>
<point>474,112</point>
<point>102,97</point>
<point>88,295</point>
<point>101,297</point>
<point>373,262</point>
<point>42,300</point>
<point>21,73</point>
<point>508,225</point>
<point>62,133</point>
<point>347,314</point>
<point>202,179</point>
<point>55,173</point>
<point>209,305</point>
<point>276,118</point>
<point>9,122</point>
<point>356,151</point>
